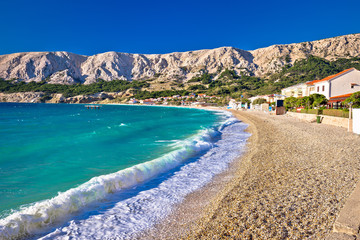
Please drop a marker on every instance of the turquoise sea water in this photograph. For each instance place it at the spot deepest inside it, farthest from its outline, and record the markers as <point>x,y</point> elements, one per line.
<point>68,171</point>
<point>46,148</point>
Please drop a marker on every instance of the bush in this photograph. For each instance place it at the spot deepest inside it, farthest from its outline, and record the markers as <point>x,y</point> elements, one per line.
<point>355,99</point>
<point>328,112</point>
<point>336,113</point>
<point>318,99</point>
<point>259,101</point>
<point>290,102</point>
<point>311,111</point>
<point>204,78</point>
<point>197,87</point>
<point>228,74</point>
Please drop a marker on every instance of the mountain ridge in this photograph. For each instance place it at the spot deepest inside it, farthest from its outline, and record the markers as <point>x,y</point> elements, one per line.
<point>69,68</point>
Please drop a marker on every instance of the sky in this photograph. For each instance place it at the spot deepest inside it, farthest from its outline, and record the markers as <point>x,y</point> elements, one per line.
<point>136,26</point>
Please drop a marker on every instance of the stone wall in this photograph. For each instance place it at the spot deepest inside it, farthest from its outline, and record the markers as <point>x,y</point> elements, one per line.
<point>330,120</point>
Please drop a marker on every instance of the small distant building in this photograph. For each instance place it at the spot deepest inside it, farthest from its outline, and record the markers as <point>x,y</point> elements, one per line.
<point>269,98</point>
<point>233,104</point>
<point>274,97</point>
<point>133,101</point>
<point>148,102</point>
<point>237,105</point>
<point>298,90</point>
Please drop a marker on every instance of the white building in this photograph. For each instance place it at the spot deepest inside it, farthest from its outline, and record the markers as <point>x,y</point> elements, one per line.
<point>298,90</point>
<point>342,83</point>
<point>269,98</point>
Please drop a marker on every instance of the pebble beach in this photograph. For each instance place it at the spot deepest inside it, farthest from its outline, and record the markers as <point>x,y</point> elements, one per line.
<point>291,184</point>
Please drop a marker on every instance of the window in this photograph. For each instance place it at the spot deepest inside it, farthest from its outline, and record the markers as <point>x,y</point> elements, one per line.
<point>318,89</point>
<point>323,88</point>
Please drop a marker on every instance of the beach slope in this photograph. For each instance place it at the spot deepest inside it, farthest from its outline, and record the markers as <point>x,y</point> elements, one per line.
<point>292,183</point>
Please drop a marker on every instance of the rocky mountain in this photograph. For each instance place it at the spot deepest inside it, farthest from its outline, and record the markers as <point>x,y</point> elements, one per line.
<point>69,68</point>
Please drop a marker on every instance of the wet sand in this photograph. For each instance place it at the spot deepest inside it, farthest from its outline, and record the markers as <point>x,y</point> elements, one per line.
<point>290,184</point>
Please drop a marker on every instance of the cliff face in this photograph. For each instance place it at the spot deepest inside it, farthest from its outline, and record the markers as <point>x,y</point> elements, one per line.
<point>272,58</point>
<point>69,68</point>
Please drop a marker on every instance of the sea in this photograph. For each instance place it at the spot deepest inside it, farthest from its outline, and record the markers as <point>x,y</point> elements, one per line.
<point>69,172</point>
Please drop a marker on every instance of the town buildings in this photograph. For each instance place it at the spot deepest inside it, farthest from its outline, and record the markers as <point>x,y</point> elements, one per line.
<point>336,88</point>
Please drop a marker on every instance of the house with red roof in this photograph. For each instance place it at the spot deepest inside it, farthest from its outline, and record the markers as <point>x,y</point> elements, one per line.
<point>342,83</point>
<point>336,88</point>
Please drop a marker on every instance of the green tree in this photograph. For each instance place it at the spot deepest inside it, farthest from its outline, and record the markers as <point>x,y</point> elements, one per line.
<point>259,101</point>
<point>290,102</point>
<point>318,100</point>
<point>305,102</point>
<point>355,99</point>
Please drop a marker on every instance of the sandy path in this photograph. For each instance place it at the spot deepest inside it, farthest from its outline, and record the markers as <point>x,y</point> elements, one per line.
<point>291,184</point>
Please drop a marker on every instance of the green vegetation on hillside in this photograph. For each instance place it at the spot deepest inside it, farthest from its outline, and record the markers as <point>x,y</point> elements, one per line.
<point>156,94</point>
<point>309,69</point>
<point>204,78</point>
<point>71,90</point>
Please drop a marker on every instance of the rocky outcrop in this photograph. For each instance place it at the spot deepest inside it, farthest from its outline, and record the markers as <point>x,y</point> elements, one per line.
<point>87,98</point>
<point>25,97</point>
<point>271,59</point>
<point>69,68</point>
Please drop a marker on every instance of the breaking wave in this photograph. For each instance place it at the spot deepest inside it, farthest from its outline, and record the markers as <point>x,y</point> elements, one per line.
<point>41,215</point>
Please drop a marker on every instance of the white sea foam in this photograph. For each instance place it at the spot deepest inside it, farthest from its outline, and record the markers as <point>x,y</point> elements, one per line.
<point>137,213</point>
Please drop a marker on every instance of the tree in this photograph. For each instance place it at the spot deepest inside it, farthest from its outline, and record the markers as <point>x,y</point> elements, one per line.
<point>305,102</point>
<point>259,101</point>
<point>355,99</point>
<point>318,100</point>
<point>290,102</point>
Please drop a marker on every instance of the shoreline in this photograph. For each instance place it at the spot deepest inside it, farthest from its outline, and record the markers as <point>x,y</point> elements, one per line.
<point>185,217</point>
<point>292,182</point>
<point>56,198</point>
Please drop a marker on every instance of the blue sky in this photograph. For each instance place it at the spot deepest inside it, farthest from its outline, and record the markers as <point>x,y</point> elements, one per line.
<point>90,27</point>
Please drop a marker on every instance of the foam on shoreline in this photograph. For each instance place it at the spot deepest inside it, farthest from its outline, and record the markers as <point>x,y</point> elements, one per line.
<point>32,219</point>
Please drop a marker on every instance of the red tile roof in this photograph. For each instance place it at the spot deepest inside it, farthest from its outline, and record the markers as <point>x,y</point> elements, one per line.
<point>340,97</point>
<point>329,77</point>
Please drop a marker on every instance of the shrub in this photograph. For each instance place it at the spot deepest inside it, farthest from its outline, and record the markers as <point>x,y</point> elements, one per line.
<point>259,101</point>
<point>336,113</point>
<point>290,102</point>
<point>317,99</point>
<point>328,112</point>
<point>355,99</point>
<point>310,111</point>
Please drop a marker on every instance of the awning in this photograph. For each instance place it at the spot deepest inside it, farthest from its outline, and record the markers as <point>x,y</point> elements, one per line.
<point>339,98</point>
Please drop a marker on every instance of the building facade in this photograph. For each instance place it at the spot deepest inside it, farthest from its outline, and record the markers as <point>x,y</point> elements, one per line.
<point>298,90</point>
<point>342,83</point>
<point>336,88</point>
